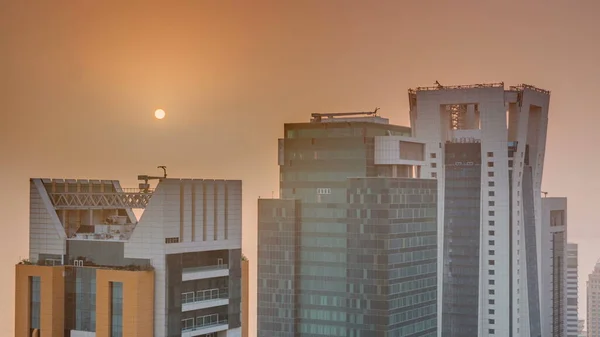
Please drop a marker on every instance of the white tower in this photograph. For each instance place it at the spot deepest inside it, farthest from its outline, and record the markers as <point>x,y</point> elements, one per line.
<point>486,147</point>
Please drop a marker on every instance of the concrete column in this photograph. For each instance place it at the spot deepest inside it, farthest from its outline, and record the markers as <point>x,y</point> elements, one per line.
<point>470,118</point>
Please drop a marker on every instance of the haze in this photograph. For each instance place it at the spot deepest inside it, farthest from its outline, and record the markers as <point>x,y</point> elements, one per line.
<point>80,81</point>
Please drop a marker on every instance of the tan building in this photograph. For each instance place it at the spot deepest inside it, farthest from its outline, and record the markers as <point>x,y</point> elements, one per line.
<point>96,270</point>
<point>117,292</point>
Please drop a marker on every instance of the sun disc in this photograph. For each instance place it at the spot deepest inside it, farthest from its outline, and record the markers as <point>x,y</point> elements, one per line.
<point>159,113</point>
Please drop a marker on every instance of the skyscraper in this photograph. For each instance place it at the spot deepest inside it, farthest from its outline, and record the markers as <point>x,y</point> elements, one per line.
<point>553,268</point>
<point>245,295</point>
<point>485,145</point>
<point>349,249</point>
<point>593,302</point>
<point>94,269</point>
<point>573,322</point>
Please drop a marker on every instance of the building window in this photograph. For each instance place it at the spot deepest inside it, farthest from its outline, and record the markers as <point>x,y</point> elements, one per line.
<point>491,203</point>
<point>187,324</point>
<point>491,242</point>
<point>491,331</point>
<point>510,163</point>
<point>433,175</point>
<point>491,252</point>
<point>491,321</point>
<point>491,302</point>
<point>116,309</point>
<point>491,311</point>
<point>35,286</point>
<point>491,193</point>
<point>491,292</point>
<point>491,223</point>
<point>491,233</point>
<point>490,164</point>
<point>490,154</point>
<point>491,262</point>
<point>433,155</point>
<point>433,165</point>
<point>323,190</point>
<point>491,184</point>
<point>491,282</point>
<point>491,213</point>
<point>491,272</point>
<point>171,240</point>
<point>490,174</point>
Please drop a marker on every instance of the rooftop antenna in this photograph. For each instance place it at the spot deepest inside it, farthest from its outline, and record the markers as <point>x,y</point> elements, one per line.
<point>164,169</point>
<point>545,194</point>
<point>438,85</point>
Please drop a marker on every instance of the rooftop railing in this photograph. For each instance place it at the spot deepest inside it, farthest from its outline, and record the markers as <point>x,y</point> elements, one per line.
<point>449,87</point>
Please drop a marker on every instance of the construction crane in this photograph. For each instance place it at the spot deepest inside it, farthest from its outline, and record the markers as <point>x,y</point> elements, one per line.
<point>145,187</point>
<point>317,117</point>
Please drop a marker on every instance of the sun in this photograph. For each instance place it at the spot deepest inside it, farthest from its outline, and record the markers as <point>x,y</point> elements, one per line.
<point>159,113</point>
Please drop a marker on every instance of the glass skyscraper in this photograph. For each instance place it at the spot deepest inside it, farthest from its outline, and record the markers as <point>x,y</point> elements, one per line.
<point>349,249</point>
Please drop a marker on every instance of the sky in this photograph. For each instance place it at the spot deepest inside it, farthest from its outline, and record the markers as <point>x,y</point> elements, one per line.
<point>80,80</point>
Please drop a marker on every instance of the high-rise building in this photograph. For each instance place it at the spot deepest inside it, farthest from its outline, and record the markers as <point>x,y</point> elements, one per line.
<point>553,268</point>
<point>349,249</point>
<point>485,145</point>
<point>593,302</point>
<point>94,269</point>
<point>245,295</point>
<point>574,324</point>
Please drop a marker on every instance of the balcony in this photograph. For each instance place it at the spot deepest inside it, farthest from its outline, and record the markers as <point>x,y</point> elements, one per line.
<point>203,325</point>
<point>203,299</point>
<point>199,273</point>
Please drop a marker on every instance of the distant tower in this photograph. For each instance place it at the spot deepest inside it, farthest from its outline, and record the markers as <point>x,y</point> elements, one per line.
<point>554,258</point>
<point>593,302</point>
<point>574,325</point>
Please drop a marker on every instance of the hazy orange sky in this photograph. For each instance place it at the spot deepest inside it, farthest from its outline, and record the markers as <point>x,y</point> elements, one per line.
<point>79,81</point>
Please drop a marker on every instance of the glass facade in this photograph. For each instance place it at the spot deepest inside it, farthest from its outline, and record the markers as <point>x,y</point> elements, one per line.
<point>35,286</point>
<point>461,239</point>
<point>558,283</point>
<point>278,264</point>
<point>323,268</point>
<point>392,254</point>
<point>531,253</point>
<point>116,309</point>
<point>80,299</point>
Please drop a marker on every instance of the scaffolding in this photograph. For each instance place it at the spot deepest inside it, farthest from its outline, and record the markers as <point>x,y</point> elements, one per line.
<point>100,200</point>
